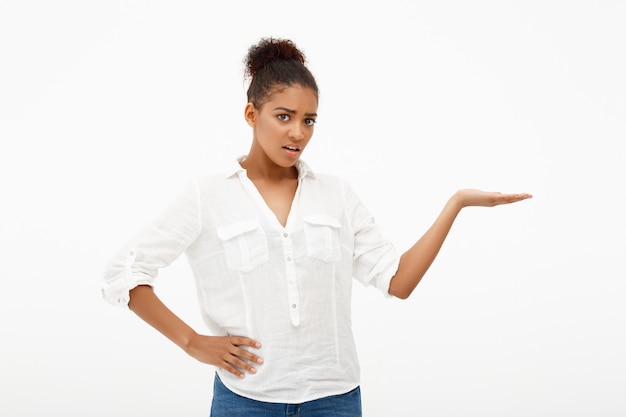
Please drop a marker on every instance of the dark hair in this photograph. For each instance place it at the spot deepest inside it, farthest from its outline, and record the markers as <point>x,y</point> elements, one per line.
<point>273,63</point>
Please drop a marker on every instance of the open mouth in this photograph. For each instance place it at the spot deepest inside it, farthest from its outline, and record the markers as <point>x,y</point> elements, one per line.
<point>291,148</point>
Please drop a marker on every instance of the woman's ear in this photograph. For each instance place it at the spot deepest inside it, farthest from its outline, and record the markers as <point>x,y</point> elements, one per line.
<point>250,114</point>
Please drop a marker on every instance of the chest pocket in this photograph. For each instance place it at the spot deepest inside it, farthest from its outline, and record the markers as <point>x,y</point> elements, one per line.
<point>245,244</point>
<point>322,237</point>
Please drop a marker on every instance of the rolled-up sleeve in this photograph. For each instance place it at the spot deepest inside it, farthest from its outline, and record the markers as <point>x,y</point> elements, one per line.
<point>155,247</point>
<point>375,259</point>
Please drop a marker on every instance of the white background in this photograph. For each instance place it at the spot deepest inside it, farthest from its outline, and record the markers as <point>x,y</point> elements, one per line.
<point>107,108</point>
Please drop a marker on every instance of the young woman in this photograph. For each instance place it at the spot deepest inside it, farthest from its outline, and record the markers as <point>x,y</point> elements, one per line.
<point>274,247</point>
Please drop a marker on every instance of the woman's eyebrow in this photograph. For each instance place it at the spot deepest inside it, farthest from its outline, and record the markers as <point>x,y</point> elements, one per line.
<point>291,111</point>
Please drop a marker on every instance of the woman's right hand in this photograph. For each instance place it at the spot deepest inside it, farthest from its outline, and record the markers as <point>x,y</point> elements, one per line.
<point>225,352</point>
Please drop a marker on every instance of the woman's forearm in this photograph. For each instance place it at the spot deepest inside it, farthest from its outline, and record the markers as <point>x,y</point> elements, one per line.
<point>145,303</point>
<point>415,262</point>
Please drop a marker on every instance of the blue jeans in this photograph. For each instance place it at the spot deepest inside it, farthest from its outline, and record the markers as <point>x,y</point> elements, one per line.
<point>228,404</point>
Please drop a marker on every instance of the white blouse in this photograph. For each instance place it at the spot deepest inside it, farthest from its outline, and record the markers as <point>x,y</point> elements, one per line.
<point>287,287</point>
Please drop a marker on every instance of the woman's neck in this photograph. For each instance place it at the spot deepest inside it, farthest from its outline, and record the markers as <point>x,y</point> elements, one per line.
<point>262,168</point>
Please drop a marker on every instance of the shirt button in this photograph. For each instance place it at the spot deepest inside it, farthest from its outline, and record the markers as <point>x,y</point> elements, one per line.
<point>289,259</point>
<point>293,306</point>
<point>285,234</point>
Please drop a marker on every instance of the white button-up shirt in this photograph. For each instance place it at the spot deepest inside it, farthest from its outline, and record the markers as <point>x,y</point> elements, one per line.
<point>287,287</point>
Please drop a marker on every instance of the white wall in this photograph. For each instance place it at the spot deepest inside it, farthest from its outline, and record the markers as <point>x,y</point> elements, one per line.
<point>107,108</point>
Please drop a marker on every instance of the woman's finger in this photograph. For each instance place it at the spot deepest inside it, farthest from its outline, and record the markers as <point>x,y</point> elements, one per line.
<point>242,353</point>
<point>244,341</point>
<point>227,367</point>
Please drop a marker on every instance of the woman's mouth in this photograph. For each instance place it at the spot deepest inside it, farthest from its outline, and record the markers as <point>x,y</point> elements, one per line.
<point>292,151</point>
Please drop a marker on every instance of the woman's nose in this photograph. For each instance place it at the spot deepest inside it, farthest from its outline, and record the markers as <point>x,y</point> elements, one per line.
<point>296,132</point>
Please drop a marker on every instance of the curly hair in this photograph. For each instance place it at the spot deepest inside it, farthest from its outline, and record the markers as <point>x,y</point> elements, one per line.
<point>274,63</point>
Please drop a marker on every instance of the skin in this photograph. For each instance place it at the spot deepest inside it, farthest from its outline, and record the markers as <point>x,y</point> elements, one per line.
<point>415,262</point>
<point>287,119</point>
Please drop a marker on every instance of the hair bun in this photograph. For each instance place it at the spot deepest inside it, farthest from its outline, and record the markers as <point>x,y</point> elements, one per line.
<point>270,49</point>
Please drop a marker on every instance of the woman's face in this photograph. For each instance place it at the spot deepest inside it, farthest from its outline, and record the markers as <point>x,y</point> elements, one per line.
<point>284,124</point>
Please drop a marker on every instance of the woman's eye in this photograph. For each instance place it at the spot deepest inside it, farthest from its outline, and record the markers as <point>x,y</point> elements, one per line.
<point>283,117</point>
<point>310,122</point>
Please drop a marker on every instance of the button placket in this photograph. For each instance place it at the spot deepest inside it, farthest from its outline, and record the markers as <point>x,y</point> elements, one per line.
<point>293,296</point>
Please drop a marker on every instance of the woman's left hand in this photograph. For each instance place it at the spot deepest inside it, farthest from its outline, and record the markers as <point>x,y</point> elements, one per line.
<point>470,197</point>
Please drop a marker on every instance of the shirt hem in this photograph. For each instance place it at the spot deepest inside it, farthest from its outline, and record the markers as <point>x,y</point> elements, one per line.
<point>291,400</point>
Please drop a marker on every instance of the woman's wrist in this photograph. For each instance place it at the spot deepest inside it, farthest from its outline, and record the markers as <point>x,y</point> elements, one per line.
<point>186,340</point>
<point>456,202</point>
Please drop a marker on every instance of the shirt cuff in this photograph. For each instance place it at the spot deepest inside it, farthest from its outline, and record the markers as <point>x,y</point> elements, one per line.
<point>383,280</point>
<point>117,290</point>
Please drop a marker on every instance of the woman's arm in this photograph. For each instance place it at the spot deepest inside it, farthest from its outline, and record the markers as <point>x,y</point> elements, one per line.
<point>224,352</point>
<point>415,262</point>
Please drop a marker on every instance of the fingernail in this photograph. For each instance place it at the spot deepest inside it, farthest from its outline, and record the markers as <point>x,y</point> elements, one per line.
<point>259,360</point>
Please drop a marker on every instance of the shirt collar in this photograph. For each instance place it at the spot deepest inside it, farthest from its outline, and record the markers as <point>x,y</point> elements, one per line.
<point>303,168</point>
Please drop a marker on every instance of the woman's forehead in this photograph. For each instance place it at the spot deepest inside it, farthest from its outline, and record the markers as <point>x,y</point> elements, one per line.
<point>294,95</point>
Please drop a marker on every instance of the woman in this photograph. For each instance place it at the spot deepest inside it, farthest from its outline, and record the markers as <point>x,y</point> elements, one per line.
<point>274,247</point>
